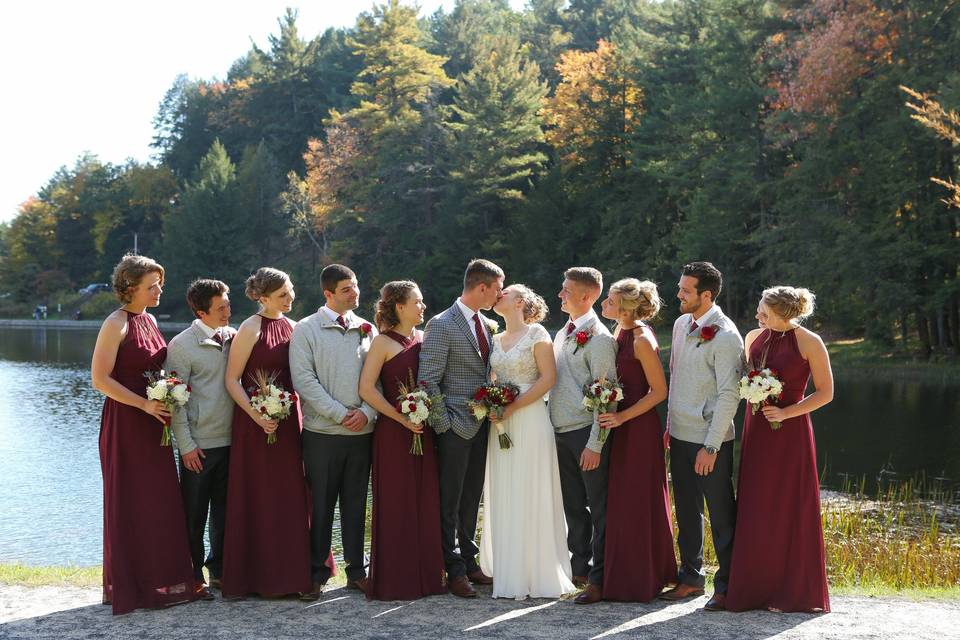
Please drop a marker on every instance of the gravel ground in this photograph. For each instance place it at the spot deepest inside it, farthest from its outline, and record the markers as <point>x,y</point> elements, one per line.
<point>55,612</point>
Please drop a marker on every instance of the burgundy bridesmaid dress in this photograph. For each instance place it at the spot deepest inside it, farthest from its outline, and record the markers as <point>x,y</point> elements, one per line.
<point>639,558</point>
<point>266,547</point>
<point>146,557</point>
<point>406,557</point>
<point>778,556</point>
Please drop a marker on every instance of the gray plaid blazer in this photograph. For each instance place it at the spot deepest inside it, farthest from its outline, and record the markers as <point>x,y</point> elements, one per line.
<point>450,363</point>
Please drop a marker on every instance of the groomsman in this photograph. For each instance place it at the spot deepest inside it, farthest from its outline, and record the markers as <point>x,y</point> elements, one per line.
<point>327,350</point>
<point>705,363</point>
<point>202,430</point>
<point>585,351</point>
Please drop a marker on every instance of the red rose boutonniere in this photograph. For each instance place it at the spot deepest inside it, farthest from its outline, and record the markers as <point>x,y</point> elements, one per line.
<point>707,333</point>
<point>366,329</point>
<point>581,338</point>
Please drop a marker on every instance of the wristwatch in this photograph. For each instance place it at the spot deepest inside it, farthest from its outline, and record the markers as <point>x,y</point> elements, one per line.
<point>710,450</point>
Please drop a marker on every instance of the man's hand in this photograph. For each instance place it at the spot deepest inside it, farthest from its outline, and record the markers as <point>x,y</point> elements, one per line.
<point>704,462</point>
<point>191,460</point>
<point>589,460</point>
<point>355,420</point>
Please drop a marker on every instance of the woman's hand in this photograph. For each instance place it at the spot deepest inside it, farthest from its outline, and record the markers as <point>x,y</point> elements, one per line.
<point>268,425</point>
<point>774,414</point>
<point>610,420</point>
<point>156,409</point>
<point>416,428</point>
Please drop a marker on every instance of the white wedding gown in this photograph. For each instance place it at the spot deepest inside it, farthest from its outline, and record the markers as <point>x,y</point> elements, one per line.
<point>523,543</point>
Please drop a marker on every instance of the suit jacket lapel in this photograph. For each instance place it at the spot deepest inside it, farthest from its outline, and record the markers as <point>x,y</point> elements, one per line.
<point>462,323</point>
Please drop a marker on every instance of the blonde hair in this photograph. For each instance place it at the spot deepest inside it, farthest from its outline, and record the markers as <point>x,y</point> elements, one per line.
<point>129,272</point>
<point>638,296</point>
<point>790,303</point>
<point>264,282</point>
<point>535,308</point>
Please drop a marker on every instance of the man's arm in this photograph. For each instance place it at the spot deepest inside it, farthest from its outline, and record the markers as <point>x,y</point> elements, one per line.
<point>727,363</point>
<point>433,362</point>
<point>179,361</point>
<point>602,361</point>
<point>305,380</point>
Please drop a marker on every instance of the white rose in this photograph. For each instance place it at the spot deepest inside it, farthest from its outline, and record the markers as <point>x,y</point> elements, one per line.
<point>180,394</point>
<point>273,406</point>
<point>157,391</point>
<point>618,395</point>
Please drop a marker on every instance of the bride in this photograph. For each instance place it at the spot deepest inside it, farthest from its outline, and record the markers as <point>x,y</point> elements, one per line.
<point>523,543</point>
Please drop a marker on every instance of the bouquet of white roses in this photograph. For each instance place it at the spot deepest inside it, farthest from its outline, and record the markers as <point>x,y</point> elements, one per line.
<point>416,405</point>
<point>270,400</point>
<point>599,396</point>
<point>171,391</point>
<point>761,387</point>
<point>491,400</point>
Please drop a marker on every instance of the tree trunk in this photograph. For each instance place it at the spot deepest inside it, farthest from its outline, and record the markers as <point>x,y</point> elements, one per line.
<point>923,333</point>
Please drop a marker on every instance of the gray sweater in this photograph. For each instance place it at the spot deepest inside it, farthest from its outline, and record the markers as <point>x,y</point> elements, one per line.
<point>325,363</point>
<point>206,420</point>
<point>598,357</point>
<point>704,380</point>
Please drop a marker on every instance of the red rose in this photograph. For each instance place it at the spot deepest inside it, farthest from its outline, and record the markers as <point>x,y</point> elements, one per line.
<point>753,373</point>
<point>774,373</point>
<point>582,337</point>
<point>366,328</point>
<point>707,333</point>
<point>263,409</point>
<point>480,394</point>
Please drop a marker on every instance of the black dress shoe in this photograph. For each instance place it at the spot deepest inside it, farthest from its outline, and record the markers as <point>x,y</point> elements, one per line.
<point>717,603</point>
<point>314,593</point>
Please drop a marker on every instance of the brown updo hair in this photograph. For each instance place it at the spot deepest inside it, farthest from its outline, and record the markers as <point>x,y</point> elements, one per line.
<point>264,282</point>
<point>129,272</point>
<point>534,307</point>
<point>391,294</point>
<point>790,303</point>
<point>637,296</point>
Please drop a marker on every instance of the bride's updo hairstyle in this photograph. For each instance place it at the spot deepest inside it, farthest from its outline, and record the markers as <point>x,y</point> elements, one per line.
<point>264,282</point>
<point>534,307</point>
<point>790,303</point>
<point>129,272</point>
<point>391,294</point>
<point>638,297</point>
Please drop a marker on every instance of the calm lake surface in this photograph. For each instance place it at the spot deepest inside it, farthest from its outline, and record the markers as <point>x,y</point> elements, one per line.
<point>50,485</point>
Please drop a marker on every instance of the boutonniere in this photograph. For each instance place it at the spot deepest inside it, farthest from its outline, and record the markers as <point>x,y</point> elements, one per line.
<point>365,330</point>
<point>581,338</point>
<point>707,333</point>
<point>493,326</point>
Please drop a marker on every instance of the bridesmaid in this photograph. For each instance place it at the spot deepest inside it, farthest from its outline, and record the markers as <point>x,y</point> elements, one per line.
<point>266,542</point>
<point>639,557</point>
<point>146,556</point>
<point>406,558</point>
<point>778,557</point>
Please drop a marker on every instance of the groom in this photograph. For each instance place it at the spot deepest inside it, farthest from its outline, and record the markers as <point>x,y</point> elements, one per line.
<point>705,360</point>
<point>454,361</point>
<point>585,351</point>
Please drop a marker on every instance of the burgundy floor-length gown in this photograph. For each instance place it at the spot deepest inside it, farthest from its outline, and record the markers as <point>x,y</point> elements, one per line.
<point>639,559</point>
<point>778,556</point>
<point>266,547</point>
<point>406,557</point>
<point>146,556</point>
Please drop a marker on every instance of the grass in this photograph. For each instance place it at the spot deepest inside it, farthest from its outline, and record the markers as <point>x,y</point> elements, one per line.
<point>851,356</point>
<point>68,576</point>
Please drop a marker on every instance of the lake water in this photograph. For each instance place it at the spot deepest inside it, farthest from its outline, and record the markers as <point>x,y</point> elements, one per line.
<point>50,485</point>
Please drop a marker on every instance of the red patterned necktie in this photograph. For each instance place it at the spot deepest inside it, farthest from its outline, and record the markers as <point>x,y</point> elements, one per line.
<point>570,328</point>
<point>218,338</point>
<point>481,338</point>
<point>341,322</point>
<point>694,327</point>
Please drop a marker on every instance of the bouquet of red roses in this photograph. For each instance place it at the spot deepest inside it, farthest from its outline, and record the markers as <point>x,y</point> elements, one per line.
<point>417,406</point>
<point>490,400</point>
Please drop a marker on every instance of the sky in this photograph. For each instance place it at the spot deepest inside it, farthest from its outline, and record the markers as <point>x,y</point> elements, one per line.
<point>88,76</point>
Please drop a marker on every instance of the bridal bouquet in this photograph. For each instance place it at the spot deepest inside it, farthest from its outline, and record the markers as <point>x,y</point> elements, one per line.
<point>490,400</point>
<point>270,400</point>
<point>761,387</point>
<point>171,391</point>
<point>599,395</point>
<point>416,405</point>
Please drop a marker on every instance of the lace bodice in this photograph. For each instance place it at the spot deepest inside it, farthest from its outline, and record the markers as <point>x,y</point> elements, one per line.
<point>518,365</point>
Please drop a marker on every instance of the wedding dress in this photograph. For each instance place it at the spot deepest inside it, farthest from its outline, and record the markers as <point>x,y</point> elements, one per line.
<point>523,542</point>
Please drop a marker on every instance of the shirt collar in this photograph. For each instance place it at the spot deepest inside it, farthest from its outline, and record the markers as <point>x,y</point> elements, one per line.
<point>584,319</point>
<point>333,315</point>
<point>467,312</point>
<point>207,331</point>
<point>708,317</point>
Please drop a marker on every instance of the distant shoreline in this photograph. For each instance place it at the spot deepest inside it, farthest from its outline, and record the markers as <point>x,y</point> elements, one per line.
<point>8,323</point>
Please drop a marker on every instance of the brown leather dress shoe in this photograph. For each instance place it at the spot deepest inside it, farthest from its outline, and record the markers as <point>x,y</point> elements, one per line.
<point>461,588</point>
<point>579,581</point>
<point>203,593</point>
<point>681,592</point>
<point>717,603</point>
<point>592,593</point>
<point>479,577</point>
<point>314,593</point>
<point>359,585</point>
